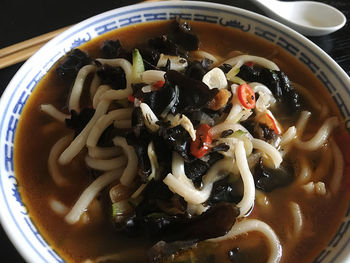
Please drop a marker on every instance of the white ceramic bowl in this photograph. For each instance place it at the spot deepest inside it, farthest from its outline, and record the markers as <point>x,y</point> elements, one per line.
<point>14,216</point>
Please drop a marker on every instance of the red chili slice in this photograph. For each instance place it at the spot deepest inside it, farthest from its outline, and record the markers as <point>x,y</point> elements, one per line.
<point>131,98</point>
<point>159,84</point>
<point>201,145</point>
<point>271,123</point>
<point>246,96</point>
<point>249,64</point>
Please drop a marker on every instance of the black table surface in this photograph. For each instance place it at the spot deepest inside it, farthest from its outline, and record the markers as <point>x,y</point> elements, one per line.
<point>21,20</point>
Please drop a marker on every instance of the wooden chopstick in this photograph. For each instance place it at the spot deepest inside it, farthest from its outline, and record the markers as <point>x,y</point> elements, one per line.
<point>22,51</point>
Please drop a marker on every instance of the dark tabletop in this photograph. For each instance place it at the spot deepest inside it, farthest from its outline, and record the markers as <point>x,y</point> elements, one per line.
<point>21,20</point>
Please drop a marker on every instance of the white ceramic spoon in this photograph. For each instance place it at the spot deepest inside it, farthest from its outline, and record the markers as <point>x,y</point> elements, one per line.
<point>307,17</point>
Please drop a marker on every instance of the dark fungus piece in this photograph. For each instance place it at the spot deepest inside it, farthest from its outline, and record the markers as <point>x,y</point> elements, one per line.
<point>224,192</point>
<point>216,221</point>
<point>177,139</point>
<point>267,133</point>
<point>290,95</point>
<point>137,121</point>
<point>78,121</point>
<point>183,35</point>
<point>277,82</point>
<point>164,45</point>
<point>179,94</point>
<point>170,252</point>
<point>164,155</point>
<point>195,70</point>
<point>72,63</point>
<point>222,147</point>
<point>113,76</point>
<point>250,74</point>
<point>267,179</point>
<point>157,190</point>
<point>107,136</point>
<point>163,101</point>
<point>226,133</point>
<point>113,49</point>
<point>179,41</point>
<point>150,57</point>
<point>197,168</point>
<point>225,68</point>
<point>194,94</point>
<point>154,193</point>
<point>140,145</point>
<point>259,130</point>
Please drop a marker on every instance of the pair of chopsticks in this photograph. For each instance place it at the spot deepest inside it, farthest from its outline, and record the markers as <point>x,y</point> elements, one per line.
<point>22,51</point>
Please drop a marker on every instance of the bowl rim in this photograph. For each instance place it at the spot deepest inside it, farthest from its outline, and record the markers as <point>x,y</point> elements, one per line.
<point>198,5</point>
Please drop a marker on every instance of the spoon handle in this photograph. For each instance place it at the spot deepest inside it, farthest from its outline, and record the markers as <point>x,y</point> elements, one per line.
<point>268,6</point>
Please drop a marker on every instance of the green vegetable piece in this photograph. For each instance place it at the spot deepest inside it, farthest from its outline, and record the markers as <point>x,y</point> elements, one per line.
<point>232,73</point>
<point>232,76</point>
<point>237,80</point>
<point>121,208</point>
<point>239,134</point>
<point>137,66</point>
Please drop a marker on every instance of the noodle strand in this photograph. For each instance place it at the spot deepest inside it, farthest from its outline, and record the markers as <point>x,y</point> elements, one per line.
<point>256,225</point>
<point>90,193</point>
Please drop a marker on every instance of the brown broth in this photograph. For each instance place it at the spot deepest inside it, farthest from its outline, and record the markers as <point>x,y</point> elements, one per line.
<point>37,133</point>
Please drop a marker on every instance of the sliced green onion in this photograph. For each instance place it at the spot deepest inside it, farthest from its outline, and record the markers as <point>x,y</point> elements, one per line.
<point>137,66</point>
<point>232,73</point>
<point>237,80</point>
<point>121,208</point>
<point>238,134</point>
<point>248,145</point>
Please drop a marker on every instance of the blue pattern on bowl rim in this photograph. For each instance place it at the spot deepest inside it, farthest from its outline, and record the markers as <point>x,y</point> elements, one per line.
<point>14,215</point>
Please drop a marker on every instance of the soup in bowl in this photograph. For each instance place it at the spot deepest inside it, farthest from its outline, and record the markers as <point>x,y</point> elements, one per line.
<point>190,132</point>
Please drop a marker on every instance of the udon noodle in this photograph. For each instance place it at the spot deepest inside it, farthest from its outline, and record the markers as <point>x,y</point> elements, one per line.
<point>253,145</point>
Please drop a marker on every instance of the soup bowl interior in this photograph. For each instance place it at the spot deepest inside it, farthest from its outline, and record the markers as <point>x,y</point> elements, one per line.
<point>14,215</point>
